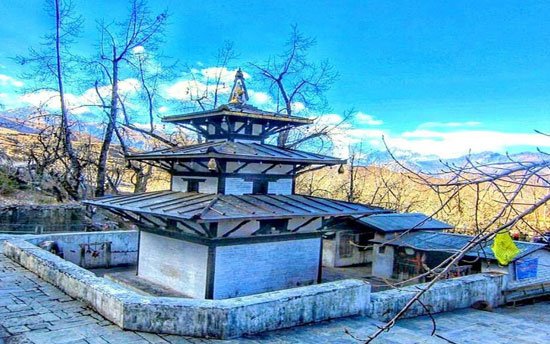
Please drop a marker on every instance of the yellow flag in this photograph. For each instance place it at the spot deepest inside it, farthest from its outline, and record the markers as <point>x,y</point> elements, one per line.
<point>504,248</point>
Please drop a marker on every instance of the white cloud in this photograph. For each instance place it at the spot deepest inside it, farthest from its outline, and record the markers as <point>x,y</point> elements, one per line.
<point>449,141</point>
<point>363,118</point>
<point>6,80</point>
<point>200,83</point>
<point>164,109</point>
<point>259,98</point>
<point>138,50</point>
<point>428,125</point>
<point>79,104</point>
<point>458,143</point>
<point>297,107</point>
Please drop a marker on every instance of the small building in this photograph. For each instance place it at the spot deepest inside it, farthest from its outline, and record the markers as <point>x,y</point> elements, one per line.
<point>416,251</point>
<point>352,244</point>
<point>231,224</point>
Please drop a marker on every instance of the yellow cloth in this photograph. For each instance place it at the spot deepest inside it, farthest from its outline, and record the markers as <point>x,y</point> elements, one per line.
<point>504,248</point>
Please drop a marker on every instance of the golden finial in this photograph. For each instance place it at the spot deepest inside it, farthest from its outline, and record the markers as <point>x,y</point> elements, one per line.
<point>239,94</point>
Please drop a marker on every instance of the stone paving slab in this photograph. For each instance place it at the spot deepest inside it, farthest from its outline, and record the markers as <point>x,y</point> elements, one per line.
<point>34,312</point>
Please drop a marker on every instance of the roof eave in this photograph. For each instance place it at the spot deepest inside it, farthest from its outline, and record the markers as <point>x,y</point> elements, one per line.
<point>136,157</point>
<point>211,113</point>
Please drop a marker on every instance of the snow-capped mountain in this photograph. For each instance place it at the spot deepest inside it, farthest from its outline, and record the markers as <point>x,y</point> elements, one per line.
<point>431,163</point>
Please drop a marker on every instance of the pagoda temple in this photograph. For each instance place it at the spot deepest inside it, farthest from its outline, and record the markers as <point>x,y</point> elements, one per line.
<point>231,223</point>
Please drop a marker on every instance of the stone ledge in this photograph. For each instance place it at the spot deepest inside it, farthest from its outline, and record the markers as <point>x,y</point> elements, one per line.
<point>444,296</point>
<point>227,318</point>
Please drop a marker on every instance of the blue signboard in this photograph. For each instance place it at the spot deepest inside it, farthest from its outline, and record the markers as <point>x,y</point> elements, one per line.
<point>526,268</point>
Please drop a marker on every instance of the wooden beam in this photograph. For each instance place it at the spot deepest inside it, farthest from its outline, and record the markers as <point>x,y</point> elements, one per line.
<point>241,167</point>
<point>210,273</point>
<point>269,168</point>
<point>194,230</point>
<point>304,224</point>
<point>236,228</point>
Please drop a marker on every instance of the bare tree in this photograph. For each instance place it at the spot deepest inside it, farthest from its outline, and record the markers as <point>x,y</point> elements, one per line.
<point>204,87</point>
<point>511,181</point>
<point>50,69</point>
<point>293,79</point>
<point>142,31</point>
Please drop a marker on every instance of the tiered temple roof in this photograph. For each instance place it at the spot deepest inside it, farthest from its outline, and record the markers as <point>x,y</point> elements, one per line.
<point>236,151</point>
<point>234,154</point>
<point>203,208</point>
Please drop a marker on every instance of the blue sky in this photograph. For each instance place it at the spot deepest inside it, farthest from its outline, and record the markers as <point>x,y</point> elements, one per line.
<point>435,77</point>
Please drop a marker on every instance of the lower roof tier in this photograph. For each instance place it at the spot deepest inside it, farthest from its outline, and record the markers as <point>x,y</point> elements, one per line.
<point>202,208</point>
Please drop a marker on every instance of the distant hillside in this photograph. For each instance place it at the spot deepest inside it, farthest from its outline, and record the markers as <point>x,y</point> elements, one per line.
<point>432,164</point>
<point>18,120</point>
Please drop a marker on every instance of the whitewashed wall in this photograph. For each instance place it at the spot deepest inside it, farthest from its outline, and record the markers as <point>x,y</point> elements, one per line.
<point>210,185</point>
<point>257,167</point>
<point>382,263</point>
<point>280,187</point>
<point>237,186</point>
<point>543,270</point>
<point>256,268</point>
<point>244,231</point>
<point>176,264</point>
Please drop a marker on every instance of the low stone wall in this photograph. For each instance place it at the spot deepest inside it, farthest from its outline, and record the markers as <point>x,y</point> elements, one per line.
<point>443,296</point>
<point>235,317</point>
<point>201,318</point>
<point>95,249</point>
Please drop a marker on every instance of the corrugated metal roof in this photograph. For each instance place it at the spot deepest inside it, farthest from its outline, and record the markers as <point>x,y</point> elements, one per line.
<point>214,208</point>
<point>236,110</point>
<point>403,222</point>
<point>237,150</point>
<point>450,242</point>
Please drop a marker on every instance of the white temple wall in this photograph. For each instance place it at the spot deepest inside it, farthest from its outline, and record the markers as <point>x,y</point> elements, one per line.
<point>191,166</point>
<point>178,184</point>
<point>260,267</point>
<point>210,185</point>
<point>310,227</point>
<point>250,227</point>
<point>257,129</point>
<point>237,186</point>
<point>258,168</point>
<point>244,231</point>
<point>240,126</point>
<point>280,187</point>
<point>177,264</point>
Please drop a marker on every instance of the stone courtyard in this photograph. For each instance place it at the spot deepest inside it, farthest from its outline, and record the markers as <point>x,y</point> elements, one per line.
<point>33,311</point>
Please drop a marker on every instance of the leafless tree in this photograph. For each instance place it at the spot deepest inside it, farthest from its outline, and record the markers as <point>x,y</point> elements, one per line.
<point>293,79</point>
<point>51,65</point>
<point>510,181</point>
<point>142,31</point>
<point>204,89</point>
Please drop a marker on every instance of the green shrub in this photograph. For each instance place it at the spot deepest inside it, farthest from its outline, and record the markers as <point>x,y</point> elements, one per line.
<point>7,184</point>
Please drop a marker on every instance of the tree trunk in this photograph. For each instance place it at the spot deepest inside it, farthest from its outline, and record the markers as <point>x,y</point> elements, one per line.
<point>75,173</point>
<point>142,177</point>
<point>108,138</point>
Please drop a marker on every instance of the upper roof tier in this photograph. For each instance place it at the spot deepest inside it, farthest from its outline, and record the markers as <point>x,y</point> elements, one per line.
<point>237,119</point>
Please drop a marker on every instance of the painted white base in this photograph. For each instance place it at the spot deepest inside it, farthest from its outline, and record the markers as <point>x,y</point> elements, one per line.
<point>176,264</point>
<point>238,270</point>
<point>256,268</point>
